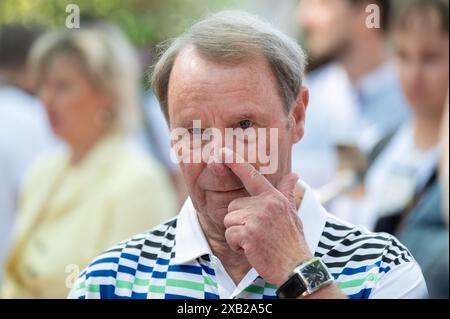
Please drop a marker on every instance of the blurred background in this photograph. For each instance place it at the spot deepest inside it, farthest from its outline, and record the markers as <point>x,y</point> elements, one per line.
<point>85,149</point>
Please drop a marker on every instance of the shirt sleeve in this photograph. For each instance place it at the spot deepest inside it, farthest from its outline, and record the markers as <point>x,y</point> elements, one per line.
<point>404,281</point>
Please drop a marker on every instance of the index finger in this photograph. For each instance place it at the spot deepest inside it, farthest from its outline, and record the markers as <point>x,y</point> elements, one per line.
<point>254,182</point>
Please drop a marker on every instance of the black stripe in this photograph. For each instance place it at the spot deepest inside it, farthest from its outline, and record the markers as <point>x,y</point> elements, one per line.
<point>150,243</point>
<point>334,238</point>
<point>336,226</point>
<point>325,246</point>
<point>338,253</point>
<point>398,257</point>
<point>171,223</point>
<point>154,244</point>
<point>138,246</point>
<point>318,254</point>
<point>147,255</point>
<point>158,233</point>
<point>166,249</point>
<point>349,242</point>
<point>163,234</point>
<point>402,248</point>
<point>170,236</point>
<point>353,258</point>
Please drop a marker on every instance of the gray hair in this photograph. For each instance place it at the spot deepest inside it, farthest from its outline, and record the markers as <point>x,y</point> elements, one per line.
<point>233,37</point>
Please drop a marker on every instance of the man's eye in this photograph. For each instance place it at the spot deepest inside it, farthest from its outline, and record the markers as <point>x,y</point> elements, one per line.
<point>195,131</point>
<point>245,124</point>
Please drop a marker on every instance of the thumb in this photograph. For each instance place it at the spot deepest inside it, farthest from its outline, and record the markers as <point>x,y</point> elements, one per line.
<point>287,186</point>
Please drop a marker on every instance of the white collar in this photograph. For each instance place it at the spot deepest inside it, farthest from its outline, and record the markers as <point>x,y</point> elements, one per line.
<point>191,242</point>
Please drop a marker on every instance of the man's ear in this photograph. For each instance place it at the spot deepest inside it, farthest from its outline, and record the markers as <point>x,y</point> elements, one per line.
<point>297,115</point>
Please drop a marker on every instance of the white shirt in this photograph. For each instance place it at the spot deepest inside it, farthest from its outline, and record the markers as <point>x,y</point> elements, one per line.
<point>391,181</point>
<point>403,281</point>
<point>341,112</point>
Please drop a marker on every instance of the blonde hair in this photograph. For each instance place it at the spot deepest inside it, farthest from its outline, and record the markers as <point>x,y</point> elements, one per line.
<point>108,59</point>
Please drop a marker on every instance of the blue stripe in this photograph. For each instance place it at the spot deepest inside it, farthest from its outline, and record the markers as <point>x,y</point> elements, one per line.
<point>101,273</point>
<point>136,295</point>
<point>385,270</point>
<point>162,261</point>
<point>209,295</point>
<point>113,260</point>
<point>130,257</point>
<point>107,292</point>
<point>186,268</point>
<point>159,274</point>
<point>144,268</point>
<point>351,271</point>
<point>208,270</point>
<point>173,296</point>
<point>362,294</point>
<point>127,270</point>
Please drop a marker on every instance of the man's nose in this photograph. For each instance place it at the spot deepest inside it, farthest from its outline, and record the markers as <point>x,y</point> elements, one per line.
<point>215,160</point>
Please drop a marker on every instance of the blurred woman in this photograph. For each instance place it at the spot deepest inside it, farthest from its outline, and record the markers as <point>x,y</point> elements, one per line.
<point>98,191</point>
<point>403,183</point>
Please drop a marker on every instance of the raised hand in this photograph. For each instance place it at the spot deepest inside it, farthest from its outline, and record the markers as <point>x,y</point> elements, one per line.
<point>265,226</point>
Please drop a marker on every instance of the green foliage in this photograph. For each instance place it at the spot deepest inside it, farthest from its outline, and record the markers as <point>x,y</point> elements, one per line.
<point>146,22</point>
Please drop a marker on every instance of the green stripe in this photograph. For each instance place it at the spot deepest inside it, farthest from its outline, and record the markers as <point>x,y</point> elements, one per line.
<point>93,288</point>
<point>357,282</point>
<point>157,289</point>
<point>185,284</point>
<point>141,282</point>
<point>124,284</point>
<point>209,281</point>
<point>255,289</point>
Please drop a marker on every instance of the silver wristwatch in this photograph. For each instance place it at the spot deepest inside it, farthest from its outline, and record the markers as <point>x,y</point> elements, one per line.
<point>307,278</point>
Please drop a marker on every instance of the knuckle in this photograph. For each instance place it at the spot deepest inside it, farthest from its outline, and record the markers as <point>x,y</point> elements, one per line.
<point>272,204</point>
<point>251,230</point>
<point>229,235</point>
<point>227,221</point>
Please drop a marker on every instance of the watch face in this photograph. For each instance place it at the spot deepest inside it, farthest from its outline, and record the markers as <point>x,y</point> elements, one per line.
<point>315,274</point>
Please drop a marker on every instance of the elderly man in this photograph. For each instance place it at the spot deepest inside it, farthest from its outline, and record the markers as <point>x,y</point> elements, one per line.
<point>243,233</point>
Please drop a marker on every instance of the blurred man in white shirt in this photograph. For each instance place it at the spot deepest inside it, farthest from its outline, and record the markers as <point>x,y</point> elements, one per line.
<point>356,98</point>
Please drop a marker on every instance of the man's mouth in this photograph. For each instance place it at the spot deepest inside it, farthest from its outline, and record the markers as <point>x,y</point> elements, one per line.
<point>229,190</point>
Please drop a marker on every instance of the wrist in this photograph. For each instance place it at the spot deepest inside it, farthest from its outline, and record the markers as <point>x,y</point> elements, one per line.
<point>290,270</point>
<point>306,279</point>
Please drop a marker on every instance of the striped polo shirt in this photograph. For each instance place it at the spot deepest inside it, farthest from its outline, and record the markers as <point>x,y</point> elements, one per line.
<point>174,261</point>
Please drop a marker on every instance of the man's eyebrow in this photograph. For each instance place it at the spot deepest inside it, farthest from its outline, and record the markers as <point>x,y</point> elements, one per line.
<point>188,121</point>
<point>247,114</point>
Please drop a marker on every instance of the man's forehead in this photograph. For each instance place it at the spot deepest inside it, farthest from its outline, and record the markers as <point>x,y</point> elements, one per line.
<point>196,80</point>
<point>190,65</point>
